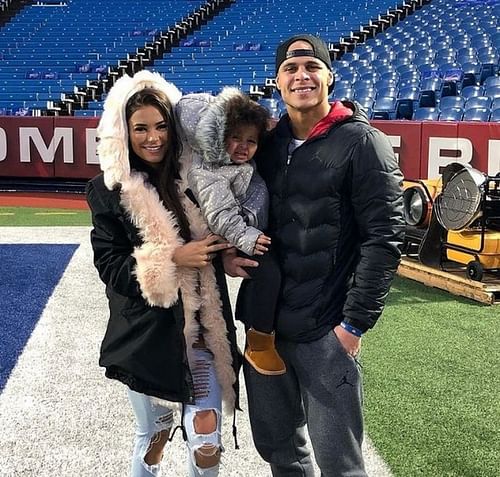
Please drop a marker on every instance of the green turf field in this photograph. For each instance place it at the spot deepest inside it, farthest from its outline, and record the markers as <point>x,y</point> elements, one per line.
<point>28,216</point>
<point>432,384</point>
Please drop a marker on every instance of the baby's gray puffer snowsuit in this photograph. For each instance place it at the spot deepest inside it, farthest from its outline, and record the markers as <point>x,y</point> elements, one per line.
<point>233,197</point>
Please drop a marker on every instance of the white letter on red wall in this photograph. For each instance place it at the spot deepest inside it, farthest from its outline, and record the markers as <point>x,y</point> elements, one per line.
<point>91,145</point>
<point>3,145</point>
<point>493,157</point>
<point>46,153</point>
<point>395,142</point>
<point>439,144</point>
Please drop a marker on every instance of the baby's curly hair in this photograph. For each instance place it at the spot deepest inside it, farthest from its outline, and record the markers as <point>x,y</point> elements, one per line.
<point>243,111</point>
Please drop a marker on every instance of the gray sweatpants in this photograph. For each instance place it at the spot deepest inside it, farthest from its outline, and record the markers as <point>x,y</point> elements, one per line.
<point>323,388</point>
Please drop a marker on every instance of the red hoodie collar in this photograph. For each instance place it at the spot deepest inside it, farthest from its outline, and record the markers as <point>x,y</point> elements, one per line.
<point>338,112</point>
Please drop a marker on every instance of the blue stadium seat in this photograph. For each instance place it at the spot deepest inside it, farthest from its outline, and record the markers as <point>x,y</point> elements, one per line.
<point>388,92</point>
<point>342,94</point>
<point>393,75</point>
<point>477,114</point>
<point>384,108</point>
<point>366,102</point>
<point>451,114</point>
<point>412,74</point>
<point>348,74</point>
<point>495,104</point>
<point>368,55</point>
<point>430,84</point>
<point>364,92</point>
<point>492,91</point>
<point>350,56</point>
<point>492,81</point>
<point>405,108</point>
<point>386,83</point>
<point>478,102</point>
<point>371,76</point>
<point>409,92</point>
<point>470,91</point>
<point>427,99</point>
<point>448,102</point>
<point>495,115</point>
<point>426,114</point>
<point>343,84</point>
<point>404,68</point>
<point>409,82</point>
<point>487,70</point>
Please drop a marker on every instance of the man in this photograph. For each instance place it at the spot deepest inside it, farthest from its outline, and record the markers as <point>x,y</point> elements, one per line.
<point>336,224</point>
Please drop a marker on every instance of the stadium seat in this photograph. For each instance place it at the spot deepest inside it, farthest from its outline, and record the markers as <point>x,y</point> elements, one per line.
<point>389,92</point>
<point>389,75</point>
<point>405,108</point>
<point>478,102</point>
<point>451,114</point>
<point>430,84</point>
<point>452,79</point>
<point>495,104</point>
<point>366,102</point>
<point>493,91</point>
<point>492,81</point>
<point>384,108</point>
<point>470,91</point>
<point>448,102</point>
<point>386,83</point>
<point>342,93</point>
<point>477,114</point>
<point>488,69</point>
<point>427,99</point>
<point>343,84</point>
<point>495,115</point>
<point>426,114</point>
<point>409,92</point>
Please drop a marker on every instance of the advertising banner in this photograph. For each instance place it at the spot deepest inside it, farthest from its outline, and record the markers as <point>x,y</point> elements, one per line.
<point>65,147</point>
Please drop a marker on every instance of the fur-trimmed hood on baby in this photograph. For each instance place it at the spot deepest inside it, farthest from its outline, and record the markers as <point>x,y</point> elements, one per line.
<point>204,120</point>
<point>161,281</point>
<point>112,130</point>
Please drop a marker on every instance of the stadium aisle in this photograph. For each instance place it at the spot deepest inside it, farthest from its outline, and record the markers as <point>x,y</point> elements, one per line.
<point>59,416</point>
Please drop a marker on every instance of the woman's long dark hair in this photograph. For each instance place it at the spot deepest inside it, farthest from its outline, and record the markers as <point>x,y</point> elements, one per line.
<point>162,178</point>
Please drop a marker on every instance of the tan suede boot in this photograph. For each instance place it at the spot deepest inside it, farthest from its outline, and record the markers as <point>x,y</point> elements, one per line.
<point>262,355</point>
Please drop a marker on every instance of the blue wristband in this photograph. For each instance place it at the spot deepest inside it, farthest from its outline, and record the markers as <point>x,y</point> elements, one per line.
<point>351,329</point>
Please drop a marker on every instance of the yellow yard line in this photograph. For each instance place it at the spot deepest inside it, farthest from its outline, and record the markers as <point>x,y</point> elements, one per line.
<point>7,213</point>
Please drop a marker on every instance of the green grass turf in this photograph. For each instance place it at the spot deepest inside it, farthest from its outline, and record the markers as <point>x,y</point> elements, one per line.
<point>432,384</point>
<point>30,216</point>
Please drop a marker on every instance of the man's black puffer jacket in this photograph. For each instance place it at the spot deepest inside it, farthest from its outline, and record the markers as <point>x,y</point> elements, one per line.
<point>336,220</point>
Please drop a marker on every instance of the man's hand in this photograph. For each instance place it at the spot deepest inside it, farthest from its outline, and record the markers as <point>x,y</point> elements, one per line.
<point>233,265</point>
<point>351,343</point>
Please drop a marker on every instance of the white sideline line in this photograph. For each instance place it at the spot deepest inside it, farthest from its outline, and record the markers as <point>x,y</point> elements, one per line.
<point>59,415</point>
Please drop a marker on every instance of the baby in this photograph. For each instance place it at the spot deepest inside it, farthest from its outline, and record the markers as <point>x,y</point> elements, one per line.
<point>225,132</point>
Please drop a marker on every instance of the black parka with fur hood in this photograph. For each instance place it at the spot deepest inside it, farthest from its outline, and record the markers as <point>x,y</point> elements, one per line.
<point>155,306</point>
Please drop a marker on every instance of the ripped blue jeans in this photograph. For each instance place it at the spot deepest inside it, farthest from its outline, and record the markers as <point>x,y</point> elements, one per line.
<point>152,418</point>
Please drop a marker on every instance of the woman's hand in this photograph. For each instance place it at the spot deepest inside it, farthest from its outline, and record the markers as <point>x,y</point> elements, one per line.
<point>199,253</point>
<point>262,244</point>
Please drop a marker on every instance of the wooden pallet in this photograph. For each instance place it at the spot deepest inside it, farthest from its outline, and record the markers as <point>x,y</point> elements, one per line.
<point>453,280</point>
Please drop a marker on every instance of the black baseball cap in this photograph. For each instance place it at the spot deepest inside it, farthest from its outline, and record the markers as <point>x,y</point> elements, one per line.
<point>318,50</point>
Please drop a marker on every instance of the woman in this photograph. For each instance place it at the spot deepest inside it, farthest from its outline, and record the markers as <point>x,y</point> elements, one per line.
<point>170,336</point>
